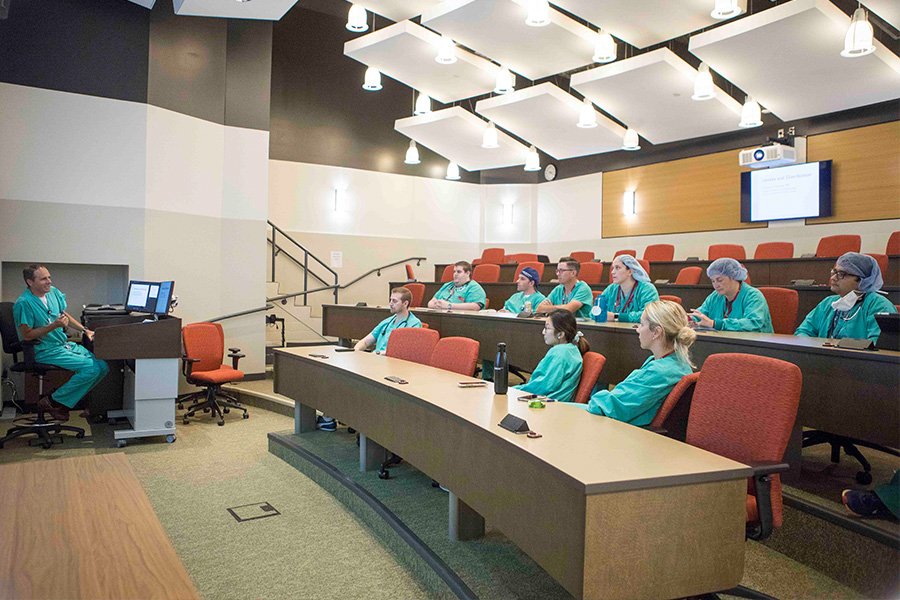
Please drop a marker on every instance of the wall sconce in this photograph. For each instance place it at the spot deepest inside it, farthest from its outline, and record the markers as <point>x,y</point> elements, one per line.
<point>339,200</point>
<point>508,214</point>
<point>628,204</point>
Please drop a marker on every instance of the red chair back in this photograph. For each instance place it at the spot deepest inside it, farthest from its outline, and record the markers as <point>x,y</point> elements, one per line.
<point>689,276</point>
<point>414,344</point>
<point>628,252</point>
<point>418,294</point>
<point>659,252</point>
<point>205,341</point>
<point>457,354</point>
<point>836,245</point>
<point>673,414</point>
<point>521,257</point>
<point>738,414</point>
<point>735,251</point>
<point>583,257</point>
<point>537,266</point>
<point>882,260</point>
<point>591,367</point>
<point>447,275</point>
<point>675,299</point>
<point>410,276</point>
<point>492,256</point>
<point>893,245</point>
<point>774,250</point>
<point>486,273</point>
<point>591,273</point>
<point>783,305</point>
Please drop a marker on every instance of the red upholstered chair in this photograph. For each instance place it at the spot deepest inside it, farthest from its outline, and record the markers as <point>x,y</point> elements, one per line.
<point>783,305</point>
<point>882,260</point>
<point>491,256</point>
<point>629,252</point>
<point>673,414</point>
<point>591,273</point>
<point>591,367</point>
<point>583,257</point>
<point>418,294</point>
<point>410,276</point>
<point>447,275</point>
<point>414,344</point>
<point>204,345</point>
<point>457,354</point>
<point>659,252</point>
<point>836,245</point>
<point>735,251</point>
<point>537,266</point>
<point>674,299</point>
<point>486,273</point>
<point>774,250</point>
<point>521,257</point>
<point>893,245</point>
<point>689,276</point>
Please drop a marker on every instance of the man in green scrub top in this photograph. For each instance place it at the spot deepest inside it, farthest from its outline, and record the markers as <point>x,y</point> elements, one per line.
<point>856,279</point>
<point>571,294</point>
<point>526,284</point>
<point>40,314</point>
<point>400,317</point>
<point>460,294</point>
<point>734,305</point>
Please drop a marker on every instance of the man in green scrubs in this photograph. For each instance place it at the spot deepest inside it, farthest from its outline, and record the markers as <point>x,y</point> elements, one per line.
<point>400,317</point>
<point>460,294</point>
<point>40,314</point>
<point>571,294</point>
<point>734,305</point>
<point>526,284</point>
<point>856,279</point>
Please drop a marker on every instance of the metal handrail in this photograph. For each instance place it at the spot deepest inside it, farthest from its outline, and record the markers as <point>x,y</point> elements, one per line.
<point>281,250</point>
<point>242,313</point>
<point>306,255</point>
<point>286,297</point>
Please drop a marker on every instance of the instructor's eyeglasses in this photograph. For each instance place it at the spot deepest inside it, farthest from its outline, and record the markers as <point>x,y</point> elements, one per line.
<point>838,275</point>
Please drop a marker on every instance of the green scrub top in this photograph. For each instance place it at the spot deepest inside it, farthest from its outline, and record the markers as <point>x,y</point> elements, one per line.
<point>581,292</point>
<point>516,302</point>
<point>630,309</point>
<point>469,292</point>
<point>857,323</point>
<point>749,311</point>
<point>383,330</point>
<point>637,399</point>
<point>557,375</point>
<point>29,310</point>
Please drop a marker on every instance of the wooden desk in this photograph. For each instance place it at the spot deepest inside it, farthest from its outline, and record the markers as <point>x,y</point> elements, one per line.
<point>607,509</point>
<point>83,528</point>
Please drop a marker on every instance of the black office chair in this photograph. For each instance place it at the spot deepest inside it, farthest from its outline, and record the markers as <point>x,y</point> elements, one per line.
<point>47,432</point>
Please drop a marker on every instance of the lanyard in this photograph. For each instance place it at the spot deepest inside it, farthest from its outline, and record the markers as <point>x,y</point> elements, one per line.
<point>620,295</point>
<point>728,304</point>
<point>567,297</point>
<point>839,316</point>
<point>455,289</point>
<point>400,324</point>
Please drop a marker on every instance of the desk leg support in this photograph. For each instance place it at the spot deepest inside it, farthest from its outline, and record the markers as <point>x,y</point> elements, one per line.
<point>793,455</point>
<point>304,418</point>
<point>465,523</point>
<point>371,454</point>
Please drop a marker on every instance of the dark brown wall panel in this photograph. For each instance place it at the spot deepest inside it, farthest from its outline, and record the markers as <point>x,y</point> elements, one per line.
<point>248,74</point>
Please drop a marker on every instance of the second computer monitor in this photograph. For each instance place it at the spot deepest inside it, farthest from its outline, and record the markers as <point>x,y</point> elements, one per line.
<point>150,296</point>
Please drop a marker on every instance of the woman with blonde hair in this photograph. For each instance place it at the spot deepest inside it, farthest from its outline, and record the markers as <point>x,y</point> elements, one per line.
<point>664,331</point>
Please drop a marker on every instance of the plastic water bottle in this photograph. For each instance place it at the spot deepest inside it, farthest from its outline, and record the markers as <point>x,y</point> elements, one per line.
<point>501,370</point>
<point>527,309</point>
<point>598,312</point>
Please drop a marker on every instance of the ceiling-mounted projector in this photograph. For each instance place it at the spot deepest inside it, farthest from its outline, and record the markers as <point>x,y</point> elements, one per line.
<point>773,155</point>
<point>4,8</point>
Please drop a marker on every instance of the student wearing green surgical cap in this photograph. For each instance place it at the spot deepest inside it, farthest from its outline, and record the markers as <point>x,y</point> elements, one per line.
<point>856,280</point>
<point>526,286</point>
<point>630,290</point>
<point>734,305</point>
<point>559,372</point>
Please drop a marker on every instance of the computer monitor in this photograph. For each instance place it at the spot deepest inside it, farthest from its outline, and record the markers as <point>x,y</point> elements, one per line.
<point>149,296</point>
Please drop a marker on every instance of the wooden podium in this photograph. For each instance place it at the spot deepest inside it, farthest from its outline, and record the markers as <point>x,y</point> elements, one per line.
<point>151,351</point>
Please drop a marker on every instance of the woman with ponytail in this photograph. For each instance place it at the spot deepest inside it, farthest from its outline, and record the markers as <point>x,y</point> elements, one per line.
<point>664,331</point>
<point>558,373</point>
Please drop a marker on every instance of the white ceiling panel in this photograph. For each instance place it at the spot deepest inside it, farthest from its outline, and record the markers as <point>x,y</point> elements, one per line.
<point>405,51</point>
<point>788,58</point>
<point>396,10</point>
<point>145,3</point>
<point>652,94</point>
<point>496,28</point>
<point>643,23</point>
<point>547,117</point>
<point>456,134</point>
<point>889,10</point>
<point>268,10</point>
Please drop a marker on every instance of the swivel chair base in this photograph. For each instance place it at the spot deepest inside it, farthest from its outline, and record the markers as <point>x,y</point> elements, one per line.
<point>864,477</point>
<point>394,459</point>
<point>217,407</point>
<point>47,432</point>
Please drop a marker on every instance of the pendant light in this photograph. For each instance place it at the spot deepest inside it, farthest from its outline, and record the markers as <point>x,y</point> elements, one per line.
<point>489,138</point>
<point>587,117</point>
<point>533,161</point>
<point>372,82</point>
<point>859,38</point>
<point>356,19</point>
<point>751,115</point>
<point>412,154</point>
<point>423,104</point>
<point>631,141</point>
<point>604,48</point>
<point>725,9</point>
<point>452,172</point>
<point>505,82</point>
<point>538,13</point>
<point>703,84</point>
<point>446,54</point>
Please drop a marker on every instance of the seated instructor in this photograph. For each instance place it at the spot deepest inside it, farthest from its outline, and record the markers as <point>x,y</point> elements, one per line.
<point>734,305</point>
<point>571,294</point>
<point>460,294</point>
<point>526,284</point>
<point>40,314</point>
<point>630,291</point>
<point>400,317</point>
<point>856,280</point>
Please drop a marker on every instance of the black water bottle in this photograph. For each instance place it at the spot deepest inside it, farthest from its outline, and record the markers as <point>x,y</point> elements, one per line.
<point>501,370</point>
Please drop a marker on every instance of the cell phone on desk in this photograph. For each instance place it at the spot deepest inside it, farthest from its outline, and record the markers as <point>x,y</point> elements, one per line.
<point>396,379</point>
<point>472,384</point>
<point>344,349</point>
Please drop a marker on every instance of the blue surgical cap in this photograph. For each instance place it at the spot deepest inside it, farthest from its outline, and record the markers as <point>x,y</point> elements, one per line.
<point>727,267</point>
<point>531,274</point>
<point>865,267</point>
<point>637,271</point>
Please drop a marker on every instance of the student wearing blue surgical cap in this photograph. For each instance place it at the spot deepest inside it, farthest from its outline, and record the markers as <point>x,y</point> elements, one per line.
<point>630,290</point>
<point>526,284</point>
<point>734,305</point>
<point>856,280</point>
<point>558,374</point>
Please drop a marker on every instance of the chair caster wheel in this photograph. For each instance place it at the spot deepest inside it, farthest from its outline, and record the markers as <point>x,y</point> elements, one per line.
<point>435,483</point>
<point>185,421</point>
<point>222,422</point>
<point>384,475</point>
<point>246,415</point>
<point>226,410</point>
<point>121,444</point>
<point>79,435</point>
<point>181,407</point>
<point>864,478</point>
<point>351,430</point>
<point>170,438</point>
<point>206,409</point>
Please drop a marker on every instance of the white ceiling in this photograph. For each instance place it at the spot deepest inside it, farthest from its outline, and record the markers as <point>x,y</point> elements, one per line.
<point>788,58</point>
<point>496,28</point>
<point>652,93</point>
<point>643,23</point>
<point>546,116</point>
<point>889,10</point>
<point>456,134</point>
<point>405,51</point>
<point>268,10</point>
<point>395,10</point>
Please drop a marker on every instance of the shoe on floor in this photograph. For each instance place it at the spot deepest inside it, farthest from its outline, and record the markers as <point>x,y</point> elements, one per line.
<point>326,424</point>
<point>864,503</point>
<point>57,411</point>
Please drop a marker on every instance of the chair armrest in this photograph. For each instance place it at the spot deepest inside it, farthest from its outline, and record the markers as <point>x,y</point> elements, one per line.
<point>767,467</point>
<point>762,484</point>
<point>27,347</point>
<point>187,364</point>
<point>235,357</point>
<point>234,350</point>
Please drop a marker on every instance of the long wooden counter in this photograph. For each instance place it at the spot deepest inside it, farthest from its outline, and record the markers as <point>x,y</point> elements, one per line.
<point>590,501</point>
